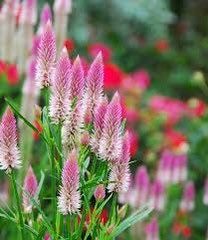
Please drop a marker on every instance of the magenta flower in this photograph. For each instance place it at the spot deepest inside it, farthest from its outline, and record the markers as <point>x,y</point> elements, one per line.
<point>152,230</point>
<point>76,80</point>
<point>100,111</point>
<point>187,202</point>
<point>142,183</point>
<point>94,85</point>
<point>59,102</point>
<point>29,190</point>
<point>99,193</point>
<point>69,196</point>
<point>120,176</point>
<point>46,14</point>
<point>157,195</point>
<point>111,139</point>
<point>46,57</point>
<point>9,151</point>
<point>205,198</point>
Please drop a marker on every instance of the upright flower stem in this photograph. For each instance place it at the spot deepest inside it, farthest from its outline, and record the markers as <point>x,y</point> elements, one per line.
<point>18,204</point>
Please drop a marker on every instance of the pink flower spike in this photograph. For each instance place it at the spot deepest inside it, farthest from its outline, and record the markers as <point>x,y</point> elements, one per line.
<point>120,176</point>
<point>157,195</point>
<point>99,193</point>
<point>76,80</point>
<point>111,139</point>
<point>59,101</point>
<point>28,12</point>
<point>152,230</point>
<point>46,57</point>
<point>100,111</point>
<point>142,183</point>
<point>187,202</point>
<point>9,151</point>
<point>46,14</point>
<point>29,190</point>
<point>69,196</point>
<point>94,85</point>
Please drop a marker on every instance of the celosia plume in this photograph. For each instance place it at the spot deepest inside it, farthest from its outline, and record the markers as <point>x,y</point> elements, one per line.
<point>46,14</point>
<point>99,115</point>
<point>9,152</point>
<point>205,198</point>
<point>69,196</point>
<point>111,139</point>
<point>99,193</point>
<point>141,185</point>
<point>94,85</point>
<point>46,57</point>
<point>119,177</point>
<point>152,230</point>
<point>62,6</point>
<point>157,195</point>
<point>59,102</point>
<point>28,14</point>
<point>29,190</point>
<point>187,202</point>
<point>76,80</point>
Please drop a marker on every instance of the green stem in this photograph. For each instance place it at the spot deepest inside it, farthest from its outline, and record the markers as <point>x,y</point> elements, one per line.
<point>18,204</point>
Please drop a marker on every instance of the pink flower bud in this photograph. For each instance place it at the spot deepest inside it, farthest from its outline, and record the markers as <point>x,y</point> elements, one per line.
<point>152,230</point>
<point>205,198</point>
<point>29,190</point>
<point>46,14</point>
<point>187,202</point>
<point>99,192</point>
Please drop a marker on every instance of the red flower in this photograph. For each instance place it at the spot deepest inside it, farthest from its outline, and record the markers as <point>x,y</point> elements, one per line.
<point>177,227</point>
<point>175,138</point>
<point>69,44</point>
<point>162,46</point>
<point>141,78</point>
<point>186,231</point>
<point>196,107</point>
<point>113,76</point>
<point>39,127</point>
<point>3,67</point>
<point>12,74</point>
<point>95,48</point>
<point>134,142</point>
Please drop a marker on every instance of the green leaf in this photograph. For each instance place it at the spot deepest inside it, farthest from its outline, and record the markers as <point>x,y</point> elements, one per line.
<point>139,215</point>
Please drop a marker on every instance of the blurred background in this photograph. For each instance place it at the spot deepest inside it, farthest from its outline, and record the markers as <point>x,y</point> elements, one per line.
<point>156,55</point>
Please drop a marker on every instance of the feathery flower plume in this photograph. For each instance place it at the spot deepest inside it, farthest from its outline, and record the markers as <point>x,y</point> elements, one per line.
<point>46,57</point>
<point>46,14</point>
<point>69,196</point>
<point>61,9</point>
<point>28,12</point>
<point>76,80</point>
<point>187,202</point>
<point>120,174</point>
<point>10,155</point>
<point>100,111</point>
<point>205,198</point>
<point>59,102</point>
<point>29,190</point>
<point>94,85</point>
<point>142,185</point>
<point>179,171</point>
<point>71,129</point>
<point>99,193</point>
<point>152,230</point>
<point>111,139</point>
<point>157,195</point>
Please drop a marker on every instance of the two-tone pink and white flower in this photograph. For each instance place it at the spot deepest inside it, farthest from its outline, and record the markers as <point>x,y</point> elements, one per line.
<point>29,190</point>
<point>69,195</point>
<point>59,101</point>
<point>46,57</point>
<point>111,140</point>
<point>188,199</point>
<point>9,151</point>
